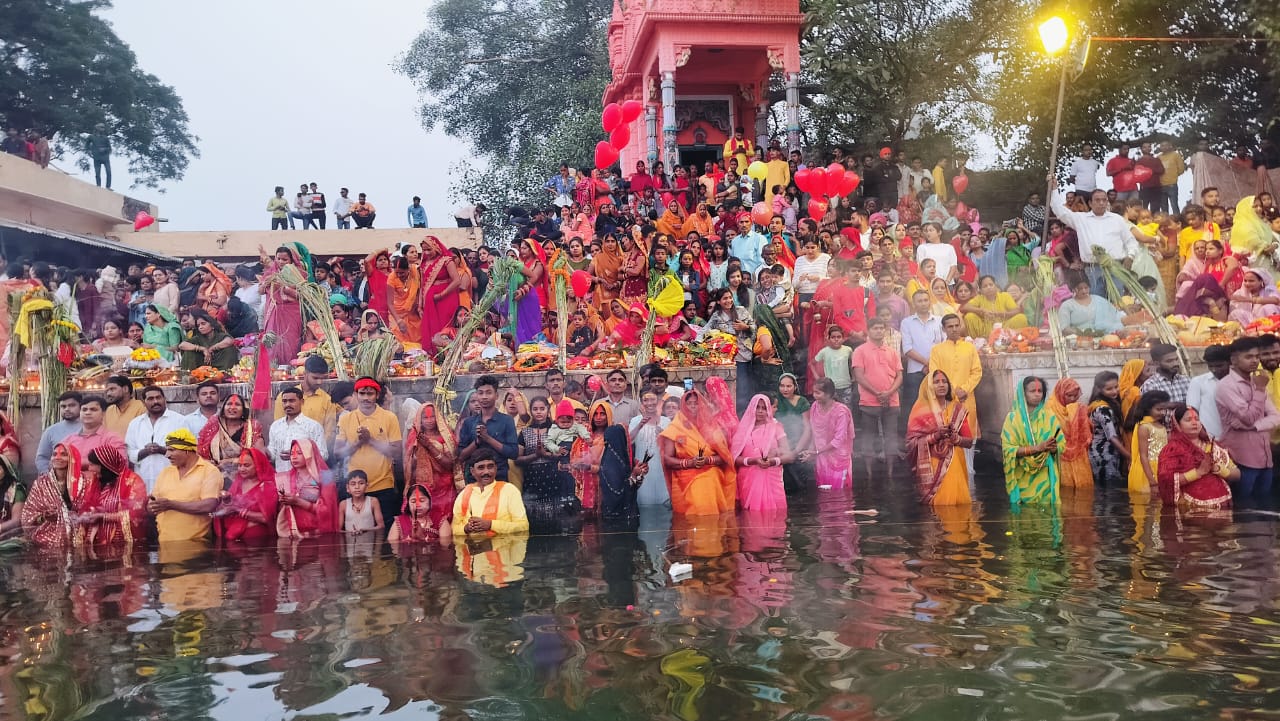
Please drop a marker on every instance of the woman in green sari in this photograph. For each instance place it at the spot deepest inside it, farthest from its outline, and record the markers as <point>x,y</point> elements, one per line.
<point>772,350</point>
<point>208,345</point>
<point>161,330</point>
<point>791,407</point>
<point>1032,440</point>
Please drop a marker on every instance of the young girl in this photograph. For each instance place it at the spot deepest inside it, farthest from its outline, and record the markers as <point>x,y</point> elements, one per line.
<point>414,524</point>
<point>357,513</point>
<point>1149,437</point>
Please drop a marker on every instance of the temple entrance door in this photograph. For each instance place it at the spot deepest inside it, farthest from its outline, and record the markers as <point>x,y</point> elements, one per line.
<point>698,155</point>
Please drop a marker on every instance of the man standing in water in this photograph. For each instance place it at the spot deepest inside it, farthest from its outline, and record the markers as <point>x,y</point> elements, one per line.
<point>489,428</point>
<point>369,437</point>
<point>186,491</point>
<point>1248,417</point>
<point>488,506</point>
<point>958,358</point>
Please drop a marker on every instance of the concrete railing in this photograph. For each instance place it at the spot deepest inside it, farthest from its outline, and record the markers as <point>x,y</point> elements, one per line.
<point>49,198</point>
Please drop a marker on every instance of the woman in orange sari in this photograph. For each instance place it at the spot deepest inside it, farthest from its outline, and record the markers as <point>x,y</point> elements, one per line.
<point>697,458</point>
<point>115,503</point>
<point>214,293</point>
<point>1132,375</point>
<point>440,285</point>
<point>701,222</point>
<point>403,289</point>
<point>466,279</point>
<point>674,221</point>
<point>1074,470</point>
<point>606,273</point>
<point>430,450</point>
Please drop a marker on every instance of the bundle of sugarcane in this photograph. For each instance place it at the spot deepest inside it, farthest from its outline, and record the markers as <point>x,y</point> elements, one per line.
<point>1118,279</point>
<point>315,306</point>
<point>560,287</point>
<point>501,275</point>
<point>41,326</point>
<point>373,357</point>
<point>1044,286</point>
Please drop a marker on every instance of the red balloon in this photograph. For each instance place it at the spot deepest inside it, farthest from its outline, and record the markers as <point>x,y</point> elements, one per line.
<point>580,281</point>
<point>851,182</point>
<point>960,183</point>
<point>631,110</point>
<point>619,138</point>
<point>606,155</point>
<point>834,179</point>
<point>818,208</point>
<point>1142,173</point>
<point>962,210</point>
<point>818,182</point>
<point>611,117</point>
<point>142,220</point>
<point>802,178</point>
<point>761,213</point>
<point>593,384</point>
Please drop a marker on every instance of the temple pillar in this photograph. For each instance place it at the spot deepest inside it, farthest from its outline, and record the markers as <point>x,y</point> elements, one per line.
<point>670,153</point>
<point>651,134</point>
<point>762,125</point>
<point>793,111</point>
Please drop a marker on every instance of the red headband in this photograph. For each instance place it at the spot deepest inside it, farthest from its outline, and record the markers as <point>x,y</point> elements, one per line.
<point>368,383</point>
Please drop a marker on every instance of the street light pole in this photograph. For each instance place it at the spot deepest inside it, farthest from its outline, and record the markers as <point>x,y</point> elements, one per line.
<point>1053,151</point>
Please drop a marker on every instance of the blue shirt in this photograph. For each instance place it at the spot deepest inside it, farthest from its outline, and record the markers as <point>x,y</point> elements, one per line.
<point>746,248</point>
<point>561,185</point>
<point>417,215</point>
<point>920,336</point>
<point>502,429</point>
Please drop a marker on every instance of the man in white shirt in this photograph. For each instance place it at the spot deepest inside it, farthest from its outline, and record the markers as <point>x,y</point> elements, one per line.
<point>1200,394</point>
<point>342,210</point>
<point>468,215</point>
<point>1098,228</point>
<point>247,290</point>
<point>206,408</point>
<point>146,434</point>
<point>293,426</point>
<point>921,331</point>
<point>916,176</point>
<point>1084,170</point>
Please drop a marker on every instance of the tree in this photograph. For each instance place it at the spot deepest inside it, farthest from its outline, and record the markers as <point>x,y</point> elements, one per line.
<point>885,71</point>
<point>1223,91</point>
<point>520,80</point>
<point>65,72</point>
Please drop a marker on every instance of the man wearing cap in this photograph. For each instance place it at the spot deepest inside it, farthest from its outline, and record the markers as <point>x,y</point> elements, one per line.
<point>147,434</point>
<point>369,438</point>
<point>316,403</point>
<point>186,491</point>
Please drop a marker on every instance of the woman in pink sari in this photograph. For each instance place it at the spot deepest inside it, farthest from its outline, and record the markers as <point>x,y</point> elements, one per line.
<point>760,448</point>
<point>308,499</point>
<point>281,312</point>
<point>250,507</point>
<point>440,285</point>
<point>831,437</point>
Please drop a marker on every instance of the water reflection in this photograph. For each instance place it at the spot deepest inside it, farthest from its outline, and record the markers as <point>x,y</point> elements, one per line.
<point>1099,608</point>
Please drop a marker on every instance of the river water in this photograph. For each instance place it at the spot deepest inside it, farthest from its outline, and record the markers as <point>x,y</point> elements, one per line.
<point>1101,610</point>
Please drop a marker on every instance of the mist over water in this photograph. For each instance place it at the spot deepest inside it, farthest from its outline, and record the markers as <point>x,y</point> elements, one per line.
<point>1096,610</point>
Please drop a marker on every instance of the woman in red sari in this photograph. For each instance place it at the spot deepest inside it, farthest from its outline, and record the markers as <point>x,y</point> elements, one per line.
<point>9,446</point>
<point>440,285</point>
<point>281,312</point>
<point>430,451</point>
<point>55,497</point>
<point>249,508</point>
<point>115,503</point>
<point>229,434</point>
<point>1193,470</point>
<point>418,521</point>
<point>308,499</point>
<point>377,270</point>
<point>839,300</point>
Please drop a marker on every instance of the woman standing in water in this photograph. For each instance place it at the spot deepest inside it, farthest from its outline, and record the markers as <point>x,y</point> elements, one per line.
<point>1032,443</point>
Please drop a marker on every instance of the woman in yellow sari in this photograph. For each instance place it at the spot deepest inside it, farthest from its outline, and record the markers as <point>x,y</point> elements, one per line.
<point>697,458</point>
<point>402,298</point>
<point>941,301</point>
<point>938,432</point>
<point>925,272</point>
<point>1074,469</point>
<point>1031,442</point>
<point>990,306</point>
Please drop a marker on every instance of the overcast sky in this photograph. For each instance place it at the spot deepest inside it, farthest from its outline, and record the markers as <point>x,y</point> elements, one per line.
<point>282,92</point>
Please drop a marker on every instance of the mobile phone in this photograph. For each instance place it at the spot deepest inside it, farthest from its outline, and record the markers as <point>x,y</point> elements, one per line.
<point>688,384</point>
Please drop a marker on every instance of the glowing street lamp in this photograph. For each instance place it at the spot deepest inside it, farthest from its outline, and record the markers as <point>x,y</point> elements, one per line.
<point>1054,35</point>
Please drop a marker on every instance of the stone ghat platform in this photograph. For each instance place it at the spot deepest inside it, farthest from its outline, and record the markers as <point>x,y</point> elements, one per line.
<point>182,398</point>
<point>1002,372</point>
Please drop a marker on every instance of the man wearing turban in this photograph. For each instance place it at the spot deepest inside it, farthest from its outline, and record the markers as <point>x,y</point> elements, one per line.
<point>186,491</point>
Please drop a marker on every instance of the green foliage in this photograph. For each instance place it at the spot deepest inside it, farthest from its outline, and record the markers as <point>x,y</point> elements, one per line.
<point>65,72</point>
<point>520,81</point>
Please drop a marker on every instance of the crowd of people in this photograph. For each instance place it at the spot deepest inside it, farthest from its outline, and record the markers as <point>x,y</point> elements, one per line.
<point>856,330</point>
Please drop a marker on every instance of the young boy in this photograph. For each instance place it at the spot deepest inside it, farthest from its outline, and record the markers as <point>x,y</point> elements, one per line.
<point>357,513</point>
<point>837,365</point>
<point>580,334</point>
<point>565,431</point>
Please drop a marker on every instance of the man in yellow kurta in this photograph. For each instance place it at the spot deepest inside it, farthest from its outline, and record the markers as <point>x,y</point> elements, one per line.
<point>186,491</point>
<point>488,507</point>
<point>957,357</point>
<point>1269,360</point>
<point>779,175</point>
<point>740,147</point>
<point>940,188</point>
